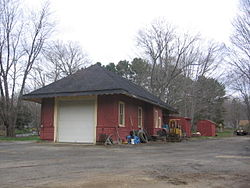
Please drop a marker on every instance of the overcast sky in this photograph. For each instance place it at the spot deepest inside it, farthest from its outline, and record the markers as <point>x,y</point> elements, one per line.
<point>107,29</point>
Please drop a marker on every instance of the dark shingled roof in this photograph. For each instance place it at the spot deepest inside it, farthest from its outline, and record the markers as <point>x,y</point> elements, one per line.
<point>95,80</point>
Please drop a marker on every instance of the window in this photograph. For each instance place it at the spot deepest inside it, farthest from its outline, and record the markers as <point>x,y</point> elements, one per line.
<point>139,117</point>
<point>121,117</point>
<point>156,118</point>
<point>159,122</point>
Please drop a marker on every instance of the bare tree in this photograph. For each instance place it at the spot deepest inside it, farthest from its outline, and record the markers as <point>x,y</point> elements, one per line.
<point>169,53</point>
<point>172,54</point>
<point>177,62</point>
<point>242,86</point>
<point>209,57</point>
<point>39,76</point>
<point>21,40</point>
<point>240,54</point>
<point>64,59</point>
<point>235,109</point>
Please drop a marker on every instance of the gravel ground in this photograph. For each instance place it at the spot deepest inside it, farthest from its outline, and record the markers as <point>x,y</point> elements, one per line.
<point>213,163</point>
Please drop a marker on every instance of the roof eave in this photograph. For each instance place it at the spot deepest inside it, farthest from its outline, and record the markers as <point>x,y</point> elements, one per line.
<point>38,97</point>
<point>174,111</point>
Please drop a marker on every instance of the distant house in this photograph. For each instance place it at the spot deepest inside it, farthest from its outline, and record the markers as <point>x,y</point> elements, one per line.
<point>244,123</point>
<point>92,102</point>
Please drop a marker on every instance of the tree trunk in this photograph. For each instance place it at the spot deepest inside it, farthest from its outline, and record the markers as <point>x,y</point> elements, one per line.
<point>10,130</point>
<point>11,124</point>
<point>248,107</point>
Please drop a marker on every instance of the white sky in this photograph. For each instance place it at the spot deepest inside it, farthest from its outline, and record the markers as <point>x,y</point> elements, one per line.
<point>107,29</point>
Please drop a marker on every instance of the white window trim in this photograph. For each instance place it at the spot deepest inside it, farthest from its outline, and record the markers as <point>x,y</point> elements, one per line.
<point>123,119</point>
<point>159,122</point>
<point>156,118</point>
<point>140,119</point>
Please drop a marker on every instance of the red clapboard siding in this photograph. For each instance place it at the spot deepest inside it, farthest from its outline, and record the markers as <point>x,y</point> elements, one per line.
<point>206,128</point>
<point>107,116</point>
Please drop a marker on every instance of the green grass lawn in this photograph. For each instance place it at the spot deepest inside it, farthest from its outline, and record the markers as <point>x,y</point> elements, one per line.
<point>23,131</point>
<point>28,138</point>
<point>225,133</point>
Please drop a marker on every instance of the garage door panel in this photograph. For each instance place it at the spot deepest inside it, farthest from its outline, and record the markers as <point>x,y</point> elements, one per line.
<point>76,121</point>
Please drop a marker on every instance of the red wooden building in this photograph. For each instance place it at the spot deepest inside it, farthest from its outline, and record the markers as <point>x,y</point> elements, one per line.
<point>185,123</point>
<point>93,102</point>
<point>206,128</point>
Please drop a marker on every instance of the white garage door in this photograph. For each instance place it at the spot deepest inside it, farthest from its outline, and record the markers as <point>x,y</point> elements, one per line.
<point>76,121</point>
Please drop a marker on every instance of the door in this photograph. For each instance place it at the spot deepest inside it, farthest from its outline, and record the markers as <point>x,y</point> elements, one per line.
<point>76,121</point>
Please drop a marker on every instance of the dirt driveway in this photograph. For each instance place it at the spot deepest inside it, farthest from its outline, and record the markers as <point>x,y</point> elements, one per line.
<point>202,163</point>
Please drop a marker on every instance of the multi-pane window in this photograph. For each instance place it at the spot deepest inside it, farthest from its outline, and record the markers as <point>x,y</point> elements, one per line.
<point>139,117</point>
<point>121,114</point>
